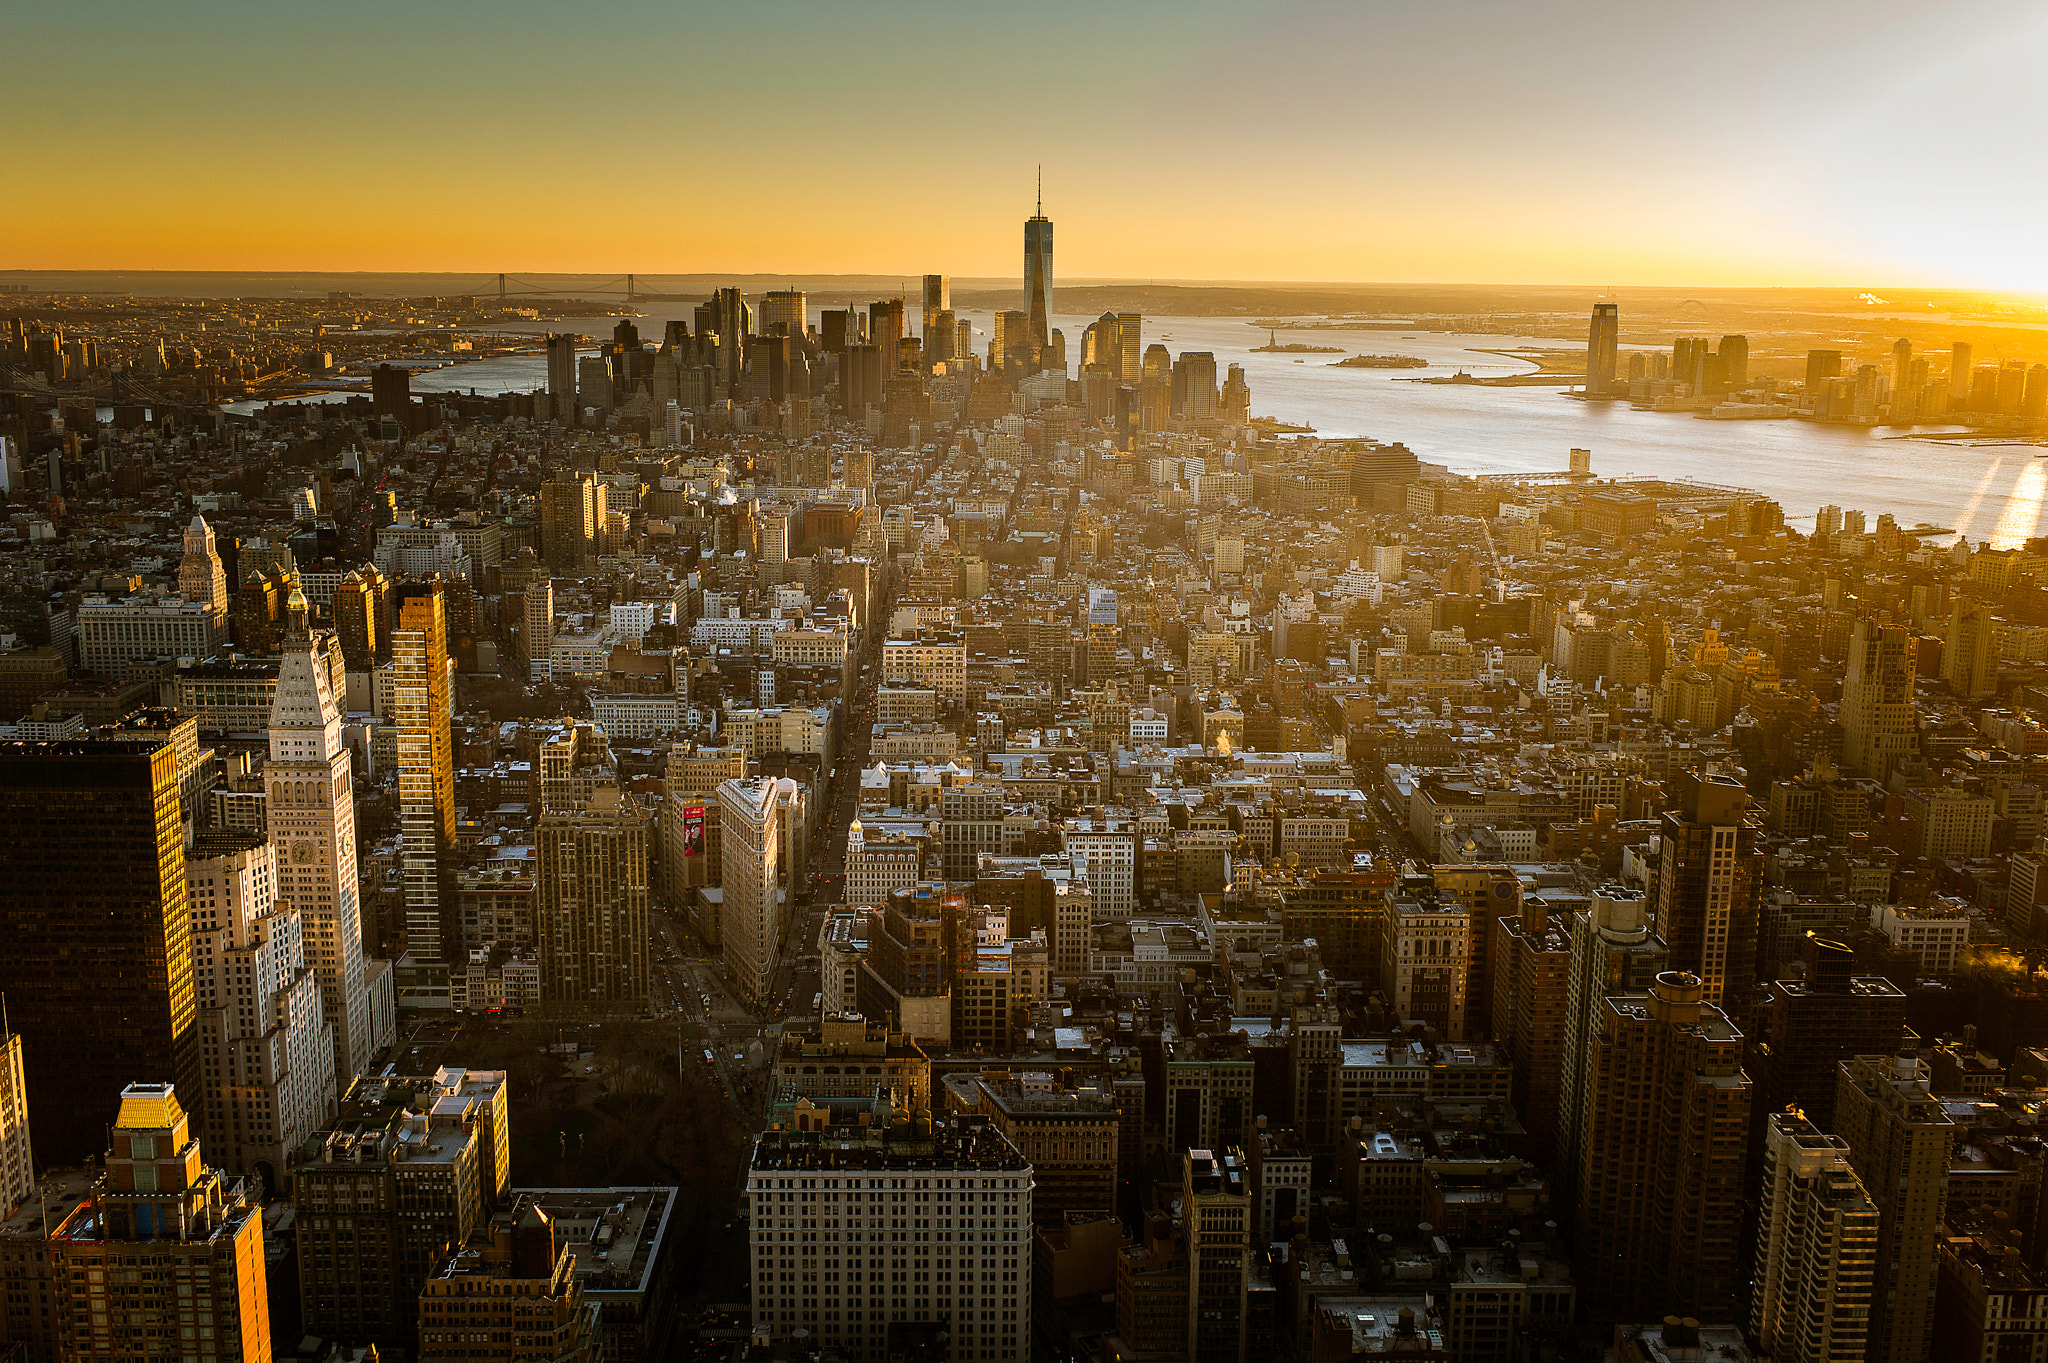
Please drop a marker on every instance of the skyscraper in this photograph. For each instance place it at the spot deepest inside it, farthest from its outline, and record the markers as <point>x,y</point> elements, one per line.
<point>756,874</point>
<point>1879,726</point>
<point>572,517</point>
<point>562,373</point>
<point>97,970</point>
<point>423,702</point>
<point>1734,353</point>
<point>165,1245</point>
<point>1659,1204</point>
<point>1038,272</point>
<point>358,606</point>
<point>537,626</point>
<point>17,1161</point>
<point>201,577</point>
<point>1968,663</point>
<point>1809,1026</point>
<point>312,811</point>
<point>1707,897</point>
<point>1821,365</point>
<point>785,312</point>
<point>885,332</point>
<point>1216,1209</point>
<point>1129,360</point>
<point>938,298</point>
<point>590,914</point>
<point>1194,385</point>
<point>1900,1139</point>
<point>1816,1251</point>
<point>1600,345</point>
<point>1959,373</point>
<point>731,320</point>
<point>1531,961</point>
<point>417,1162</point>
<point>268,1049</point>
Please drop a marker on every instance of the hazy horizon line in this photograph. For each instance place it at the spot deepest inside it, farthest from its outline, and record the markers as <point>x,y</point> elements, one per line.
<point>908,280</point>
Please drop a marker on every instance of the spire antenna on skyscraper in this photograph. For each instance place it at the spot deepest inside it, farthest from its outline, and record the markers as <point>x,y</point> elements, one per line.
<point>1041,190</point>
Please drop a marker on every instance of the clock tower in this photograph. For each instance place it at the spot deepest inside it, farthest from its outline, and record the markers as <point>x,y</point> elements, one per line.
<point>309,789</point>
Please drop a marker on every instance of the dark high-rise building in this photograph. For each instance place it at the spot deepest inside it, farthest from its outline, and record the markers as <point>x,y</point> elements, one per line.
<point>786,312</point>
<point>1708,893</point>
<point>1600,344</point>
<point>1216,1205</point>
<point>1194,385</point>
<point>938,298</point>
<point>97,974</point>
<point>860,380</point>
<point>1734,356</point>
<point>1038,273</point>
<point>390,390</point>
<point>1666,1111</point>
<point>409,1169</point>
<point>839,328</point>
<point>1821,365</point>
<point>731,320</point>
<point>885,331</point>
<point>1900,1140</point>
<point>1808,1027</point>
<point>1613,952</point>
<point>769,361</point>
<point>562,372</point>
<point>1531,961</point>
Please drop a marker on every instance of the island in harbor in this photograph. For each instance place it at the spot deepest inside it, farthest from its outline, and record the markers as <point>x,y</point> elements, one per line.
<point>1380,362</point>
<point>1297,348</point>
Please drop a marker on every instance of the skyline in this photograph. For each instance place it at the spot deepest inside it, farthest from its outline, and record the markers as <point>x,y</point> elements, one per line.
<point>1472,143</point>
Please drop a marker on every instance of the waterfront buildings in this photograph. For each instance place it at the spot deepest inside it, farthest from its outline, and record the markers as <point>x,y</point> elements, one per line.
<point>1600,349</point>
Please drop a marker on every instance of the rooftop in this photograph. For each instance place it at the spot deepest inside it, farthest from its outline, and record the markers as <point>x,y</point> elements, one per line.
<point>615,1233</point>
<point>959,1143</point>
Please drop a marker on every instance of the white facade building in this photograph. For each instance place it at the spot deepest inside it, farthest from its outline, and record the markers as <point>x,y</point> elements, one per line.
<point>311,808</point>
<point>268,1050</point>
<point>855,1228</point>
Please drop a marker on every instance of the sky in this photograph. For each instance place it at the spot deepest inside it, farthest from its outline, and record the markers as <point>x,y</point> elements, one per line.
<point>1815,142</point>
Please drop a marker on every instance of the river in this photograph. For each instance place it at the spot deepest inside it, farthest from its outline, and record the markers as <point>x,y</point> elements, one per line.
<point>1987,492</point>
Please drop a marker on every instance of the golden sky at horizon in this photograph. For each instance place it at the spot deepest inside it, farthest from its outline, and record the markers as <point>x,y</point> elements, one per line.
<point>1481,141</point>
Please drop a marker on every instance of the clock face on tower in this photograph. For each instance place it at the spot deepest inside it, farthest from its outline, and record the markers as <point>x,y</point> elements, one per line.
<point>302,853</point>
